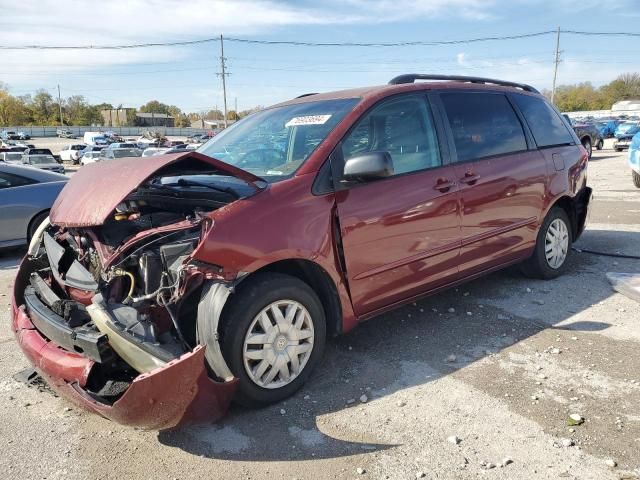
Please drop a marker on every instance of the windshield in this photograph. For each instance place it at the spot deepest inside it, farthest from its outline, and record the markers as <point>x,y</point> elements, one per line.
<point>13,157</point>
<point>41,159</point>
<point>625,127</point>
<point>274,143</point>
<point>126,152</point>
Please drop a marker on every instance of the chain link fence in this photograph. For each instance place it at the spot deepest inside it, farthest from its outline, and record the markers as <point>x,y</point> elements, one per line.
<point>50,131</point>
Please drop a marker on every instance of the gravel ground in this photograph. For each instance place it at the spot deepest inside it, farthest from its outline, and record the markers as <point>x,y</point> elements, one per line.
<point>422,392</point>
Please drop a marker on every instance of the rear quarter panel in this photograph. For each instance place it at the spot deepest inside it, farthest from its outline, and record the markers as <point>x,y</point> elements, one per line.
<point>21,204</point>
<point>567,172</point>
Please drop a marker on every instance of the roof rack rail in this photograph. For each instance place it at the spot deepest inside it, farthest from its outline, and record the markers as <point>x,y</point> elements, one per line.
<point>307,95</point>
<point>412,77</point>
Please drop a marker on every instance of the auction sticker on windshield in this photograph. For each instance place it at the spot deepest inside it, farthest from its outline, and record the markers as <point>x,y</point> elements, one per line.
<point>308,120</point>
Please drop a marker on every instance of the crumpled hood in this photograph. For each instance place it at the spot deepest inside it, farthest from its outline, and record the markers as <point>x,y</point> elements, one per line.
<point>95,190</point>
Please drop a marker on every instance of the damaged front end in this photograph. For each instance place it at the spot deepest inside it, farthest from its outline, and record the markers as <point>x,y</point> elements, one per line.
<point>109,308</point>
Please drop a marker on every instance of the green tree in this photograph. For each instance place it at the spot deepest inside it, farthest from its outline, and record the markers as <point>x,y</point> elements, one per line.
<point>625,87</point>
<point>154,106</point>
<point>13,110</point>
<point>43,109</point>
<point>583,96</point>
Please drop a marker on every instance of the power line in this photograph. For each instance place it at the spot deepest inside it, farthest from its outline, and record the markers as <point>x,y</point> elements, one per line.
<point>314,44</point>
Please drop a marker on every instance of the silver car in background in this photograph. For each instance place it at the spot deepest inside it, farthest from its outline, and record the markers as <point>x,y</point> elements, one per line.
<point>26,195</point>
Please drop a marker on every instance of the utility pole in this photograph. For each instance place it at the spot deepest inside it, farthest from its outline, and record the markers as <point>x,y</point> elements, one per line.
<point>235,108</point>
<point>557,62</point>
<point>224,75</point>
<point>60,106</point>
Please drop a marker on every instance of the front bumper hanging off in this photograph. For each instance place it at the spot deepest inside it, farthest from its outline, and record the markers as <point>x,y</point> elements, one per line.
<point>177,393</point>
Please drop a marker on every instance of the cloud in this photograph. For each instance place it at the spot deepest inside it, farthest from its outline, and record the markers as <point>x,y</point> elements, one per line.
<point>84,22</point>
<point>538,73</point>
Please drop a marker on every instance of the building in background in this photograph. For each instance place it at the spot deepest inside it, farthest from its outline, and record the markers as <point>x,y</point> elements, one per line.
<point>130,117</point>
<point>210,124</point>
<point>154,120</point>
<point>118,117</point>
<point>628,107</point>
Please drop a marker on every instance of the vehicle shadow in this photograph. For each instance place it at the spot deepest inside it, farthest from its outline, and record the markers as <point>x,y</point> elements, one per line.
<point>604,157</point>
<point>407,347</point>
<point>10,258</point>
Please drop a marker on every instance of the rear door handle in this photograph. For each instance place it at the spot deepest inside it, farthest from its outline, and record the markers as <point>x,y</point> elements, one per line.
<point>444,185</point>
<point>470,178</point>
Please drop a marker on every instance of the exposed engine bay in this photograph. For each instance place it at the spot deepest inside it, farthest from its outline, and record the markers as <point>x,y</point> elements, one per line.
<point>125,293</point>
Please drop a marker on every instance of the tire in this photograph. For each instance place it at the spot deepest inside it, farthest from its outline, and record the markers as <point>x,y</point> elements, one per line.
<point>618,149</point>
<point>600,145</point>
<point>586,143</point>
<point>636,178</point>
<point>240,316</point>
<point>538,266</point>
<point>35,223</point>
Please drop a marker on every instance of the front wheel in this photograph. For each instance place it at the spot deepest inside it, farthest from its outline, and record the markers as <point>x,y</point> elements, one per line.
<point>273,334</point>
<point>636,178</point>
<point>553,247</point>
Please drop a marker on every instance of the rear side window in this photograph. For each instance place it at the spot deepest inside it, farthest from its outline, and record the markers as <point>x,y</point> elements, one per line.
<point>401,126</point>
<point>8,180</point>
<point>483,124</point>
<point>547,127</point>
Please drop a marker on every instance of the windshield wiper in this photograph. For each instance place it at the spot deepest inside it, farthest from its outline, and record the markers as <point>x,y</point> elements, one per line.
<point>182,182</point>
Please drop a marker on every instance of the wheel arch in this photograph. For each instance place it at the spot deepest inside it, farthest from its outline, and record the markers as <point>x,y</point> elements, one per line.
<point>576,210</point>
<point>319,280</point>
<point>33,219</point>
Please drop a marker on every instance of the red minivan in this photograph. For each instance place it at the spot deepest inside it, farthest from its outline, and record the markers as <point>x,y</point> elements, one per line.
<point>161,288</point>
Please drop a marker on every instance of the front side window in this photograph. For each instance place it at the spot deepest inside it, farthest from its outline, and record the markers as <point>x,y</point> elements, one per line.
<point>483,124</point>
<point>8,180</point>
<point>274,143</point>
<point>401,126</point>
<point>547,127</point>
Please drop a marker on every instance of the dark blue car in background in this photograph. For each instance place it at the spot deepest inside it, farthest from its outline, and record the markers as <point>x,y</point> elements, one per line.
<point>607,128</point>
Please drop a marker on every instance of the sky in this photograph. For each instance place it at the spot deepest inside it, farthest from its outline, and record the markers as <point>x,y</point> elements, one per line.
<point>186,76</point>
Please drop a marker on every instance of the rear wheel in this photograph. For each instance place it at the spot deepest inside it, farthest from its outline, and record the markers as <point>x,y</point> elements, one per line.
<point>553,247</point>
<point>636,178</point>
<point>273,337</point>
<point>586,143</point>
<point>600,144</point>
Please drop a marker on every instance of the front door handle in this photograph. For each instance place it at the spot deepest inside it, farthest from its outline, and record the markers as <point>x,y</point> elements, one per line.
<point>470,178</point>
<point>444,185</point>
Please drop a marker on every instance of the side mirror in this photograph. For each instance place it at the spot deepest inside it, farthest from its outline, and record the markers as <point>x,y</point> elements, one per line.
<point>368,166</point>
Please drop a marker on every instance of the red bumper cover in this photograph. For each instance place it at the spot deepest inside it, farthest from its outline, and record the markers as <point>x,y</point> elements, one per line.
<point>179,393</point>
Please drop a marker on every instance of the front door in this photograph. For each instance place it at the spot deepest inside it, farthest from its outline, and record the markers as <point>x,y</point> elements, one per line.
<point>400,234</point>
<point>502,182</point>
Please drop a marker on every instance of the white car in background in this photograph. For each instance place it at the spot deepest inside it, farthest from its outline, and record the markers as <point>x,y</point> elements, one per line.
<point>11,157</point>
<point>71,153</point>
<point>90,157</point>
<point>151,151</point>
